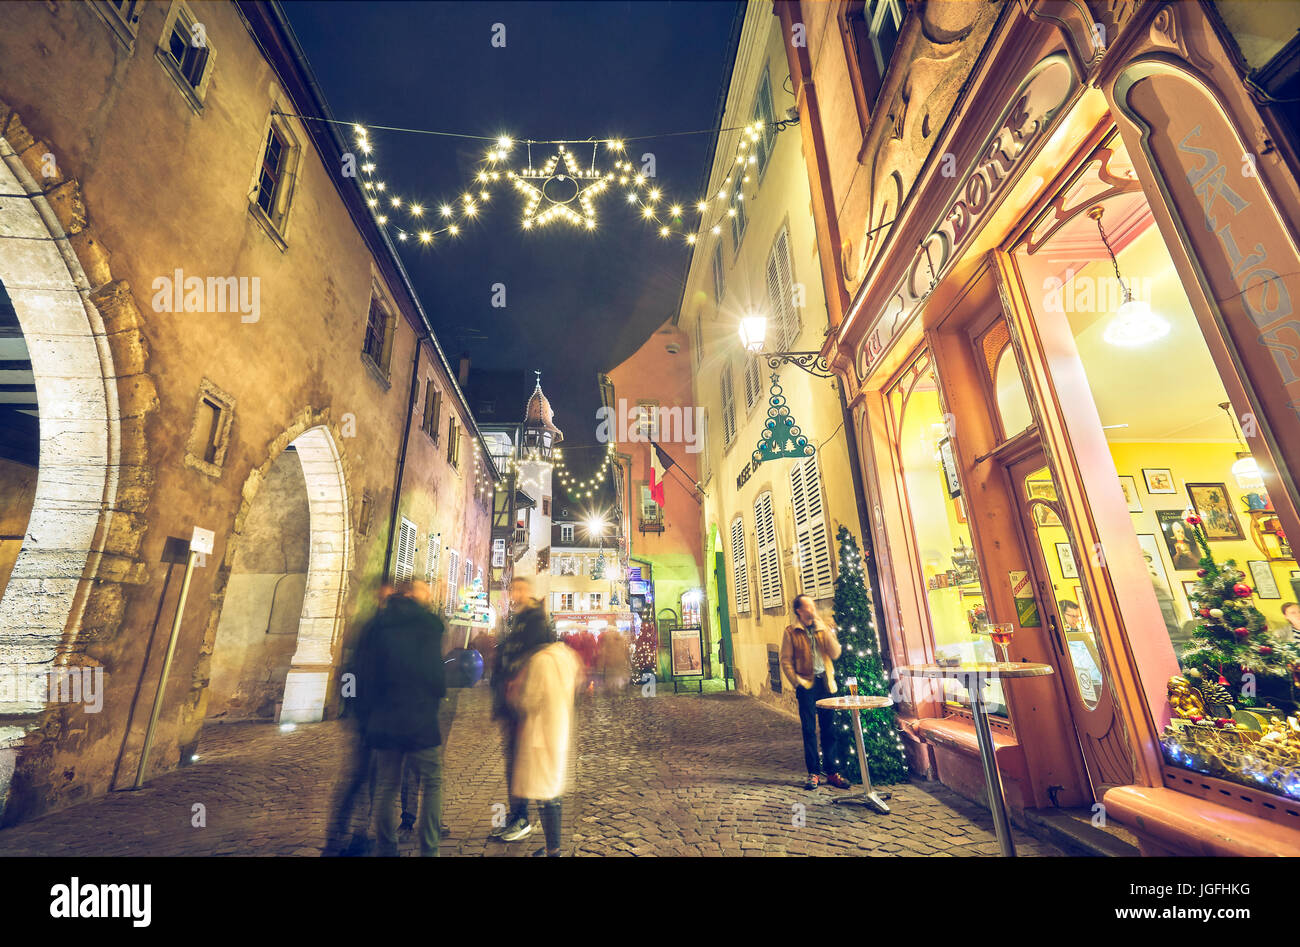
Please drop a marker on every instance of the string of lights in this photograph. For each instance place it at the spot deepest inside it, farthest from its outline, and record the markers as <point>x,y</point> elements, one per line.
<point>529,465</point>
<point>552,188</point>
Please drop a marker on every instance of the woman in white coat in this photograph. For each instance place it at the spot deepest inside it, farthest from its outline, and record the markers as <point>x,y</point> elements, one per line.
<point>543,695</point>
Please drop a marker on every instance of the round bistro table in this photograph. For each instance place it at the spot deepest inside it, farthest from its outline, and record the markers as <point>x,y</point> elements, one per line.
<point>869,797</point>
<point>974,675</point>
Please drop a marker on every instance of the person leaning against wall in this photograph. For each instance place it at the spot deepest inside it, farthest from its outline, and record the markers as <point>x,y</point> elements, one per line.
<point>807,651</point>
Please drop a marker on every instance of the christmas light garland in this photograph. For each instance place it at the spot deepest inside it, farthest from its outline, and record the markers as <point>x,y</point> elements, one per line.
<point>427,221</point>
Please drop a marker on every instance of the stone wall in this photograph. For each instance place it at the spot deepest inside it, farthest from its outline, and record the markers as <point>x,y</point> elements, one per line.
<point>127,183</point>
<point>258,629</point>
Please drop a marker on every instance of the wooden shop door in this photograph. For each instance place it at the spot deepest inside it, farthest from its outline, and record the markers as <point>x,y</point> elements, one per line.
<point>1053,556</point>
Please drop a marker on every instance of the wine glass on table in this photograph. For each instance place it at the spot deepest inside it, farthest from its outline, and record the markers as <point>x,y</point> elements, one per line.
<point>1001,633</point>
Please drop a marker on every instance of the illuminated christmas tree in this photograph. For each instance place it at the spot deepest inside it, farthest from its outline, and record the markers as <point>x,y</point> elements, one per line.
<point>860,658</point>
<point>645,653</point>
<point>1231,637</point>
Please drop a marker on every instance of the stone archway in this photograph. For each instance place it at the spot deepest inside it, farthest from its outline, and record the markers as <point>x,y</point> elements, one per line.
<point>327,577</point>
<point>83,352</point>
<point>249,669</point>
<point>64,346</point>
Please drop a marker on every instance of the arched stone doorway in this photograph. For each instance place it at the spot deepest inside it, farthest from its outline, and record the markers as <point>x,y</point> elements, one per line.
<point>282,611</point>
<point>58,489</point>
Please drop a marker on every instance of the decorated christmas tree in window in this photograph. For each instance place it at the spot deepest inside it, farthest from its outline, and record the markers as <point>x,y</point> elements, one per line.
<point>1231,639</point>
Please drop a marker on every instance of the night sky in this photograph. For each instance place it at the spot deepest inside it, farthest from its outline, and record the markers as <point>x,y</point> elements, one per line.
<point>578,302</point>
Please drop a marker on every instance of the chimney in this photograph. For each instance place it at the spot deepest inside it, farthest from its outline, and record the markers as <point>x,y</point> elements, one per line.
<point>462,373</point>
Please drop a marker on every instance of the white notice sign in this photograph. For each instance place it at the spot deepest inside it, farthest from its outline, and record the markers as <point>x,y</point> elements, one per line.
<point>202,541</point>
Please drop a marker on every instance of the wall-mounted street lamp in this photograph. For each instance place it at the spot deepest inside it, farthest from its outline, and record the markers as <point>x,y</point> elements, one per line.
<point>753,332</point>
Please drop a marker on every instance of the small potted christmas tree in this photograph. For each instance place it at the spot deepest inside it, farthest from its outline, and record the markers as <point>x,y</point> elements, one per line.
<point>860,658</point>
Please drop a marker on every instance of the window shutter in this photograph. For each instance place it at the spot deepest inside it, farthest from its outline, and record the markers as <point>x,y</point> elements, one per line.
<point>752,384</point>
<point>453,575</point>
<point>728,406</point>
<point>431,559</point>
<point>739,568</point>
<point>769,563</point>
<point>405,552</point>
<point>812,544</point>
<point>780,293</point>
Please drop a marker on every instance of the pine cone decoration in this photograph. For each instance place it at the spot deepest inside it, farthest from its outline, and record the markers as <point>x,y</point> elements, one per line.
<point>1215,693</point>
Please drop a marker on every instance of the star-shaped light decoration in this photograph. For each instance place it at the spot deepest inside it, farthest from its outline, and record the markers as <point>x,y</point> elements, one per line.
<point>573,185</point>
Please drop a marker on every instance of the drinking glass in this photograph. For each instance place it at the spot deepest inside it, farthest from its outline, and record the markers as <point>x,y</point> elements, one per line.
<point>1001,633</point>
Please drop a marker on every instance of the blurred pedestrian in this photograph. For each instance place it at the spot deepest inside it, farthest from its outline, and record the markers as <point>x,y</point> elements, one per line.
<point>360,772</point>
<point>421,592</point>
<point>614,661</point>
<point>543,696</point>
<point>400,686</point>
<point>808,651</point>
<point>527,629</point>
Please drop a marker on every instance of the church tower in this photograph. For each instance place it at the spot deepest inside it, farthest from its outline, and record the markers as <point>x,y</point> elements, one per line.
<point>535,465</point>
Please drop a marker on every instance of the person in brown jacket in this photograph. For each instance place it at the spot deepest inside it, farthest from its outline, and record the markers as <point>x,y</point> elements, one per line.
<point>807,650</point>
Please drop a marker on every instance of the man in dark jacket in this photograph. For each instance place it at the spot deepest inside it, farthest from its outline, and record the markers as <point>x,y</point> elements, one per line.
<point>527,630</point>
<point>399,688</point>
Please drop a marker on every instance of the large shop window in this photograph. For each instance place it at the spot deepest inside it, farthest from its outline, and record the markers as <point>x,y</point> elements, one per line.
<point>945,554</point>
<point>1103,289</point>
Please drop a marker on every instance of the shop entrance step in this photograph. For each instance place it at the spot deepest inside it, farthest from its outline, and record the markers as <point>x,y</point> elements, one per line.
<point>1073,830</point>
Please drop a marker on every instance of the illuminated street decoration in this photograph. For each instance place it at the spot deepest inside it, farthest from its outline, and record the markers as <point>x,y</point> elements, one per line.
<point>557,191</point>
<point>781,435</point>
<point>552,190</point>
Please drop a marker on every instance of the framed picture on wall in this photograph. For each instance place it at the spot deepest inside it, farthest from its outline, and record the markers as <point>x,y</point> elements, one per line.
<point>1218,518</point>
<point>1189,589</point>
<point>949,467</point>
<point>1065,555</point>
<point>1179,540</point>
<point>1159,480</point>
<point>1262,574</point>
<point>1295,585</point>
<point>1130,488</point>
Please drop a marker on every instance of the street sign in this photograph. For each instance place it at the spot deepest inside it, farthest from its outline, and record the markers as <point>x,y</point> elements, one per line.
<point>202,540</point>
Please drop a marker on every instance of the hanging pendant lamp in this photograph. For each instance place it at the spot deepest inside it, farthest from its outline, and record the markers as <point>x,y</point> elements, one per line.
<point>1134,324</point>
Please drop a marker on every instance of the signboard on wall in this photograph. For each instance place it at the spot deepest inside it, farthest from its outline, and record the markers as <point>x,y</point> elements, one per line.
<point>1031,112</point>
<point>1026,605</point>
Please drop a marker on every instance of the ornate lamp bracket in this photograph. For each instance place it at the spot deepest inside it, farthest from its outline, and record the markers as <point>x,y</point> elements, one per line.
<point>814,363</point>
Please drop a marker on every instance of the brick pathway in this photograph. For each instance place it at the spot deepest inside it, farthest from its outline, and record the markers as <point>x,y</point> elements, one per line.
<point>672,775</point>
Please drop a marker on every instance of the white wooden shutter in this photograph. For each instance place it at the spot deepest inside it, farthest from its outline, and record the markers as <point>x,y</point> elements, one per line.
<point>739,567</point>
<point>431,558</point>
<point>769,562</point>
<point>453,576</point>
<point>753,386</point>
<point>405,567</point>
<point>728,406</point>
<point>812,544</point>
<point>780,294</point>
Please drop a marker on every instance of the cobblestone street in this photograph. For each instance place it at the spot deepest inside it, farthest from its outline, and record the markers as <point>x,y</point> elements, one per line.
<point>673,775</point>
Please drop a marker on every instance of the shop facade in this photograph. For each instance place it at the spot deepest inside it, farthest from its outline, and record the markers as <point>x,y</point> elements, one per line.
<point>1075,331</point>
